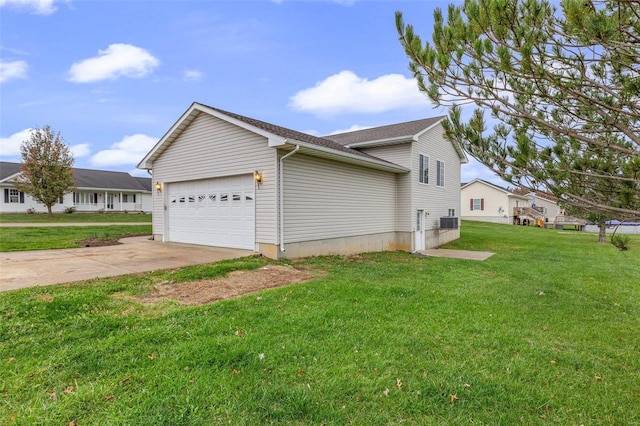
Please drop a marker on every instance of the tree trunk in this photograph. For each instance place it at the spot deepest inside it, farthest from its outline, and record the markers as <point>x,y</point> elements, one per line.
<point>602,235</point>
<point>49,211</point>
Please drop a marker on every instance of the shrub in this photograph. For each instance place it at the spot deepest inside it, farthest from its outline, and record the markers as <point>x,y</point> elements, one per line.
<point>620,241</point>
<point>69,210</point>
<point>31,210</point>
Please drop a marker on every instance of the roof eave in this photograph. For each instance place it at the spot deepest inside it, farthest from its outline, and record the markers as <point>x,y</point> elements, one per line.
<point>95,189</point>
<point>381,142</point>
<point>349,158</point>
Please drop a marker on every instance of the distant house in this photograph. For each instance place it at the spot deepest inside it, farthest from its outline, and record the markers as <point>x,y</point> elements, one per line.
<point>487,202</point>
<point>96,190</point>
<point>223,179</point>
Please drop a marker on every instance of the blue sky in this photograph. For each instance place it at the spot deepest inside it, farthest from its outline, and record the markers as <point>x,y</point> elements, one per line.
<point>113,76</point>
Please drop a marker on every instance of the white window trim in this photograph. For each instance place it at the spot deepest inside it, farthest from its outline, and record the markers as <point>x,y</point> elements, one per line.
<point>14,193</point>
<point>421,169</point>
<point>440,171</point>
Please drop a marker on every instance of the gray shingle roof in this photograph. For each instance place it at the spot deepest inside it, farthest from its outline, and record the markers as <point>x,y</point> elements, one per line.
<point>8,169</point>
<point>392,131</point>
<point>88,178</point>
<point>293,134</point>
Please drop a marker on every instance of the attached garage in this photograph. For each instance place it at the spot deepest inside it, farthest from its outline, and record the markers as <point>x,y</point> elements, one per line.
<point>223,179</point>
<point>215,212</point>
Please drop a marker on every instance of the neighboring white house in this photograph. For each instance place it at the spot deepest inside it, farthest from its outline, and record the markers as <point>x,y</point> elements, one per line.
<point>223,179</point>
<point>96,190</point>
<point>487,202</point>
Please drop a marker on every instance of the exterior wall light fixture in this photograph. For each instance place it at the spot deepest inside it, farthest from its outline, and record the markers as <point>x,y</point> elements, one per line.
<point>159,186</point>
<point>257,176</point>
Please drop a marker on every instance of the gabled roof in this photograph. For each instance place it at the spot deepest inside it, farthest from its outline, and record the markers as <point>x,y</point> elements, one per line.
<point>7,170</point>
<point>90,179</point>
<point>392,132</point>
<point>103,179</point>
<point>494,186</point>
<point>144,181</point>
<point>291,134</point>
<point>277,136</point>
<point>408,131</point>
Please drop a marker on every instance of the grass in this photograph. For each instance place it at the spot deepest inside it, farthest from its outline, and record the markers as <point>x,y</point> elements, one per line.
<point>40,237</point>
<point>74,218</point>
<point>544,332</point>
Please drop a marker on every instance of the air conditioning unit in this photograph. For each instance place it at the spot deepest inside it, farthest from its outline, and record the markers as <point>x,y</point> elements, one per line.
<point>448,222</point>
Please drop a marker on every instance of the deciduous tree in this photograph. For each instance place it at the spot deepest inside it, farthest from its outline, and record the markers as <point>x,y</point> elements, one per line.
<point>46,167</point>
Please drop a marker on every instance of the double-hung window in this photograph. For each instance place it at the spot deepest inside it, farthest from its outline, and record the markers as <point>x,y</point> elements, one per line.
<point>440,173</point>
<point>477,204</point>
<point>423,168</point>
<point>12,195</point>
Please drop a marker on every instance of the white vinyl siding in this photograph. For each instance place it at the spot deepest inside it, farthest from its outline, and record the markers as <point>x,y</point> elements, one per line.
<point>209,148</point>
<point>327,199</point>
<point>436,200</point>
<point>399,154</point>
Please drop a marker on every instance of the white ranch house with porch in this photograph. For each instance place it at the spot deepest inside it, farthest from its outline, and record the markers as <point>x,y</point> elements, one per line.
<point>96,191</point>
<point>223,179</point>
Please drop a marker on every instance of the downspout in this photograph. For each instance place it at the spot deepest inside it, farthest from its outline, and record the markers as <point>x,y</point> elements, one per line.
<point>282,195</point>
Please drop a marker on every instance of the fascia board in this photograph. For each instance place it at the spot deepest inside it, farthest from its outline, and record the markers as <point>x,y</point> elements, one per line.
<point>367,162</point>
<point>464,159</point>
<point>381,142</point>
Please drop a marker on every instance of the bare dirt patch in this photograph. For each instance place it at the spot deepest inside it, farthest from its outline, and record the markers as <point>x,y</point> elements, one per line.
<point>235,284</point>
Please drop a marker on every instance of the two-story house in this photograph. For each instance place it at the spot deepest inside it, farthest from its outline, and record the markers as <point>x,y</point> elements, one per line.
<point>223,179</point>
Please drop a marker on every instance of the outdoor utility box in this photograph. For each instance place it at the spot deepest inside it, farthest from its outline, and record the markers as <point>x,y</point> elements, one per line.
<point>448,222</point>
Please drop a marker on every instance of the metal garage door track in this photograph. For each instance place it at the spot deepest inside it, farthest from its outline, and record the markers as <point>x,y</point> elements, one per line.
<point>23,269</point>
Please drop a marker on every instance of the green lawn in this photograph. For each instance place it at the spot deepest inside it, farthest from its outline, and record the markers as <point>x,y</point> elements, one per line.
<point>75,217</point>
<point>544,332</point>
<point>55,237</point>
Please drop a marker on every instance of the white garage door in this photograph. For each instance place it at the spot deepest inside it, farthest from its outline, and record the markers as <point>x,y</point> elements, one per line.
<point>213,212</point>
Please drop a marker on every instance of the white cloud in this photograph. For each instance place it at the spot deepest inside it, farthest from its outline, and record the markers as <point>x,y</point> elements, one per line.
<point>345,92</point>
<point>40,7</point>
<point>130,150</point>
<point>118,60</point>
<point>80,150</point>
<point>10,147</point>
<point>474,169</point>
<point>192,75</point>
<point>353,128</point>
<point>11,70</point>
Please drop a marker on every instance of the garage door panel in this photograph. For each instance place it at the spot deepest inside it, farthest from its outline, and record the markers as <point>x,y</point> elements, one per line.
<point>216,212</point>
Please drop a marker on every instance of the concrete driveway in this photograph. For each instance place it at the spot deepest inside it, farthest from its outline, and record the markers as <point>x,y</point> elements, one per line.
<point>23,269</point>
